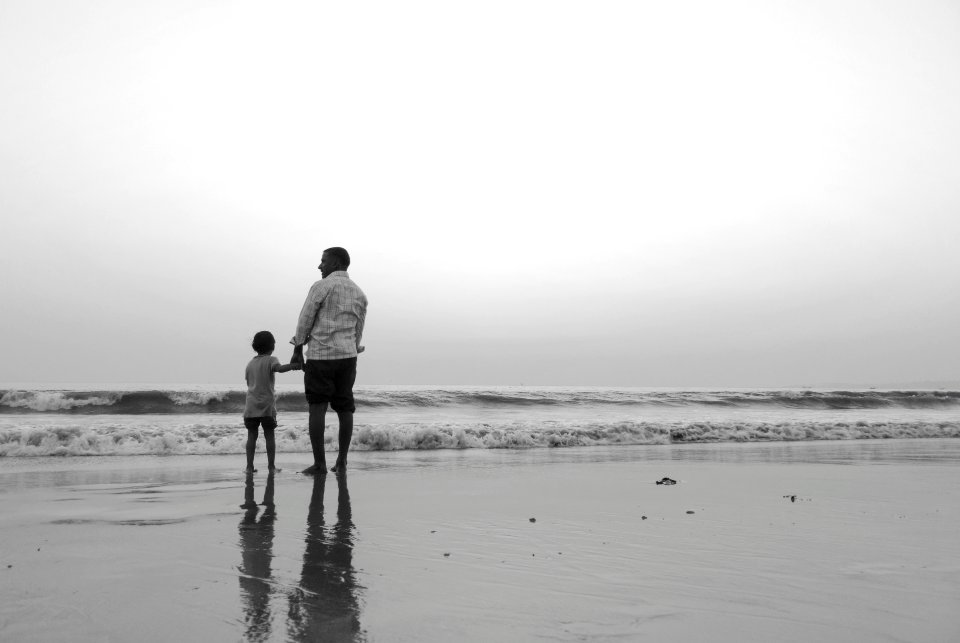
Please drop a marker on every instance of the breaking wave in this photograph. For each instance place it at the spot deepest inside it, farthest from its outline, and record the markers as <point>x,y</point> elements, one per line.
<point>232,401</point>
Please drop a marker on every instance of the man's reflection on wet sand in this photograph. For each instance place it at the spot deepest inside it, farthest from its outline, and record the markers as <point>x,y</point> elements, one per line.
<point>256,546</point>
<point>325,607</point>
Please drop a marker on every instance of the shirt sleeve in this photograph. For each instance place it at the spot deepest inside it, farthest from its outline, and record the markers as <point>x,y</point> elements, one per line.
<point>308,314</point>
<point>274,364</point>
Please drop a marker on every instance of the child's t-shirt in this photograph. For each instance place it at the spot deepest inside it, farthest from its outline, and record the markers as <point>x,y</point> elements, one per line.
<point>260,387</point>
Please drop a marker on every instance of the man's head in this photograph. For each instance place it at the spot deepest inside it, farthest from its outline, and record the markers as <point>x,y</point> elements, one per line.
<point>334,259</point>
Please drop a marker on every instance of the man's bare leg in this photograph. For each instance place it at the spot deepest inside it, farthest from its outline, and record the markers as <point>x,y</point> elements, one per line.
<point>318,414</point>
<point>346,434</point>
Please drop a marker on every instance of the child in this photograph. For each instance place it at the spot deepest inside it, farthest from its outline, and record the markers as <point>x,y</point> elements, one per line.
<point>261,407</point>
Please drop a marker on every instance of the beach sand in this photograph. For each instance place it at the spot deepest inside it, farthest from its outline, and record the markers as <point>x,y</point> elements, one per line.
<point>838,541</point>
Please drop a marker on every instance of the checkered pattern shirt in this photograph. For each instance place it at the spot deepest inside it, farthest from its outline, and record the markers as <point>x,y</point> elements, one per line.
<point>331,322</point>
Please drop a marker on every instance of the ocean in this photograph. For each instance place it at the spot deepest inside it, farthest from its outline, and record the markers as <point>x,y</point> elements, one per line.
<point>185,420</point>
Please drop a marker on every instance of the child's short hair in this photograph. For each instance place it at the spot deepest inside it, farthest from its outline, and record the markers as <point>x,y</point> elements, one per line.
<point>263,342</point>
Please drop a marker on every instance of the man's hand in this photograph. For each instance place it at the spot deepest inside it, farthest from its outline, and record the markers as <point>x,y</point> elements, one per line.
<point>297,357</point>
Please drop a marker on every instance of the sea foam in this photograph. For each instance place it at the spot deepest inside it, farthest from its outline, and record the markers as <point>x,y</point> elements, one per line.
<point>229,437</point>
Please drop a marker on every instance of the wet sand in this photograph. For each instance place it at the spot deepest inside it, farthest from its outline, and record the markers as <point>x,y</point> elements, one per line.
<point>835,541</point>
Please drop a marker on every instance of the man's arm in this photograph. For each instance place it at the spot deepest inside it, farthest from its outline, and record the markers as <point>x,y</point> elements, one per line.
<point>308,315</point>
<point>358,330</point>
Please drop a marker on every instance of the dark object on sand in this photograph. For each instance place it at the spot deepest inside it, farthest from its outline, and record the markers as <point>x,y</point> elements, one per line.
<point>667,481</point>
<point>691,511</point>
<point>793,498</point>
<point>533,520</point>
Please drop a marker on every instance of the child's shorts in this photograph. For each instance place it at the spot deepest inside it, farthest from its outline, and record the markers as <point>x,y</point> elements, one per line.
<point>269,423</point>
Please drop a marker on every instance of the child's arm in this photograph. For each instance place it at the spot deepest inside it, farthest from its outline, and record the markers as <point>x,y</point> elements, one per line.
<point>283,368</point>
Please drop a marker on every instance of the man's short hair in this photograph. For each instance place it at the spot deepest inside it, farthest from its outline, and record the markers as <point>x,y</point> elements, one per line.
<point>263,342</point>
<point>341,255</point>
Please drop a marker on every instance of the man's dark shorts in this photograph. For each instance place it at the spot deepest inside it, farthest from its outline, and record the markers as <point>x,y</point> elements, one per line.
<point>331,380</point>
<point>269,423</point>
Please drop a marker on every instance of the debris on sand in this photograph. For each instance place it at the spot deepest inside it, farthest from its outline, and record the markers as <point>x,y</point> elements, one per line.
<point>691,511</point>
<point>533,520</point>
<point>667,481</point>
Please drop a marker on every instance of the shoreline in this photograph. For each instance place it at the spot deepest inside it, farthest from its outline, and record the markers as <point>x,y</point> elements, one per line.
<point>907,447</point>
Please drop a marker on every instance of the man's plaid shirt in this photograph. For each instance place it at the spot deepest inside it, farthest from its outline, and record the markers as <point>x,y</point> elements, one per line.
<point>331,322</point>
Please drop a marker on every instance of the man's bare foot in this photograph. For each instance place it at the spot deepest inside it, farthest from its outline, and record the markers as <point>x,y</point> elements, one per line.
<point>275,469</point>
<point>250,470</point>
<point>339,467</point>
<point>314,470</point>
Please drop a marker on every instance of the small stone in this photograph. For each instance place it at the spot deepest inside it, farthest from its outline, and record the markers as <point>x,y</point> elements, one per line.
<point>690,512</point>
<point>446,554</point>
<point>533,520</point>
<point>643,517</point>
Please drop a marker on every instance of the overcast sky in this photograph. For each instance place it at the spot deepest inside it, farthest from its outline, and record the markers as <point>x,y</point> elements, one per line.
<point>541,192</point>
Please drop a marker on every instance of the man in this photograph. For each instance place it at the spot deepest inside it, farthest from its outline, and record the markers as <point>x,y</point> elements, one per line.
<point>331,325</point>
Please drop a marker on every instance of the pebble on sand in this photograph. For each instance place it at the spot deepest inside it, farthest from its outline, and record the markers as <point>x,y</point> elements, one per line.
<point>533,520</point>
<point>690,511</point>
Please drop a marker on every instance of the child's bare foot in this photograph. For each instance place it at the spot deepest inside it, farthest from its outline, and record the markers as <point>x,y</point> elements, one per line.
<point>250,470</point>
<point>314,470</point>
<point>339,466</point>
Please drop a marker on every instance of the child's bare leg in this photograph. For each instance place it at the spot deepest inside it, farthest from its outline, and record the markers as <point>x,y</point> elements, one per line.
<point>270,441</point>
<point>251,447</point>
<point>346,434</point>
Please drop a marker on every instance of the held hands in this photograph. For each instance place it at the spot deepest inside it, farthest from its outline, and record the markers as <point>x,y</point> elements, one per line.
<point>297,357</point>
<point>360,349</point>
